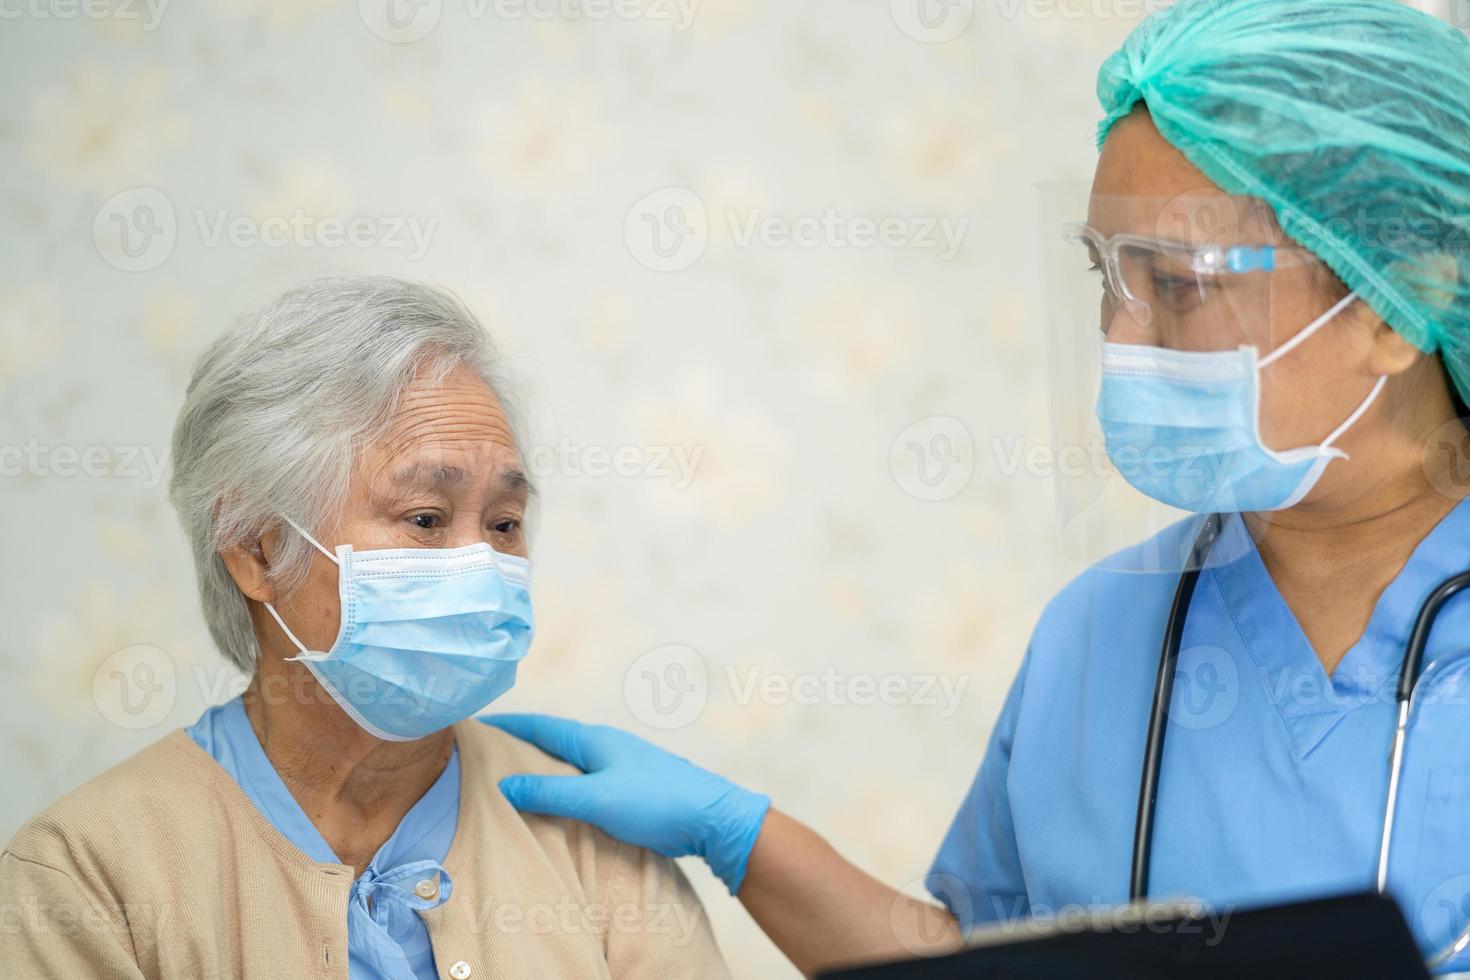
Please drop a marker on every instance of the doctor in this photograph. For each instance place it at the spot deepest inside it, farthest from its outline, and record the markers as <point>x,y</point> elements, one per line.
<point>1278,237</point>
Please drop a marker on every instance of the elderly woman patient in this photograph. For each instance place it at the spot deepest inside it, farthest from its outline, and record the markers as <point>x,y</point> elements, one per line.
<point>349,478</point>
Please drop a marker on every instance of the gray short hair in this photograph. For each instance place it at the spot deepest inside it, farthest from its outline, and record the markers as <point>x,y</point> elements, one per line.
<point>277,407</point>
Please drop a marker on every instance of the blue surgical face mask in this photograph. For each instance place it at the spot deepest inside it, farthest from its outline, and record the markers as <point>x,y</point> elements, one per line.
<point>428,636</point>
<point>1184,427</point>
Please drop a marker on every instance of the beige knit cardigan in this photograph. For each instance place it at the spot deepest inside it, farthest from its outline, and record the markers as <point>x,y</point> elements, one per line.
<point>162,868</point>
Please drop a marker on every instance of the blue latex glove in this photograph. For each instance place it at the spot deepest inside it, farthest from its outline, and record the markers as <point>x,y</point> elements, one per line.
<point>637,792</point>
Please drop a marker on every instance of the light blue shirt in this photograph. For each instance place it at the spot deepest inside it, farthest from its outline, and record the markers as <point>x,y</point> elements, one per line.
<point>386,939</point>
<point>1274,775</point>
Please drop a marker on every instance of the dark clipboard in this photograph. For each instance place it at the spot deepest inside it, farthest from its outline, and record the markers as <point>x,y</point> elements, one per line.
<point>1351,937</point>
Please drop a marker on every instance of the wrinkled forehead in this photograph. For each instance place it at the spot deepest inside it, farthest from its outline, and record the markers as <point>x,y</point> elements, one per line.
<point>1204,217</point>
<point>446,431</point>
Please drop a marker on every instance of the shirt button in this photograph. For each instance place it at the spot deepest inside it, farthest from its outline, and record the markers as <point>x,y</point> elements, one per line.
<point>460,971</point>
<point>426,890</point>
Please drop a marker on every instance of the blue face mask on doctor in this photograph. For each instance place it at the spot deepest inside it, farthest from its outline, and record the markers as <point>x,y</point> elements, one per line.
<point>1183,427</point>
<point>428,636</point>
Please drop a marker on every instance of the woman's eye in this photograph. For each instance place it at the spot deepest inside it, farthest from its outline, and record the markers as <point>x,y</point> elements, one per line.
<point>1174,289</point>
<point>507,526</point>
<point>423,521</point>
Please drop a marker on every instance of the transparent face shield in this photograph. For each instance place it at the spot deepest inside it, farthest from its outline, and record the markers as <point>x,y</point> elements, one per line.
<point>1194,272</point>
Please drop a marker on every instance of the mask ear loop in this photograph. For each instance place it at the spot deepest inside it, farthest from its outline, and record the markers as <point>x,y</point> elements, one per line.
<point>1307,331</point>
<point>1326,444</point>
<point>1357,414</point>
<point>272,609</point>
<point>316,544</point>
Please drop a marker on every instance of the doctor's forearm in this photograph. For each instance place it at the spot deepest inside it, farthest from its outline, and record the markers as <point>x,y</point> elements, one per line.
<point>822,911</point>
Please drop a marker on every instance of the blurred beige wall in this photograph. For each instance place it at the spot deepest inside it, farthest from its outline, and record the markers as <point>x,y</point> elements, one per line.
<point>769,271</point>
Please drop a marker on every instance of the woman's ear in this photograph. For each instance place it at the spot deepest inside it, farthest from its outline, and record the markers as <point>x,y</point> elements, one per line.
<point>1389,353</point>
<point>249,566</point>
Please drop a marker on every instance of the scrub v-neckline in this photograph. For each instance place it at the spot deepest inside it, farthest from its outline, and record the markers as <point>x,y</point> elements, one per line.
<point>1283,655</point>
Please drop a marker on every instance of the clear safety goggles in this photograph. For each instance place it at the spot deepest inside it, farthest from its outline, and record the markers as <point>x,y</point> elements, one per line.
<point>1184,296</point>
<point>1191,272</point>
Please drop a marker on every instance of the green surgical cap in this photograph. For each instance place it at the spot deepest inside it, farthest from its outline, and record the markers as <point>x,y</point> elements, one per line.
<point>1351,118</point>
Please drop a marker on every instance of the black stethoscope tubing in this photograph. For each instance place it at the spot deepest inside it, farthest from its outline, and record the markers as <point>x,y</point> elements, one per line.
<point>1148,790</point>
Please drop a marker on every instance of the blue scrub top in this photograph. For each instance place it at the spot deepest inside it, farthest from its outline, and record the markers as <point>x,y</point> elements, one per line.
<point>1274,775</point>
<point>386,939</point>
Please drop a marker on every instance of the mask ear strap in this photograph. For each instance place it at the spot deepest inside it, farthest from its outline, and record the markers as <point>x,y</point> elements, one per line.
<point>1347,423</point>
<point>313,540</point>
<point>272,609</point>
<point>1307,331</point>
<point>286,629</point>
